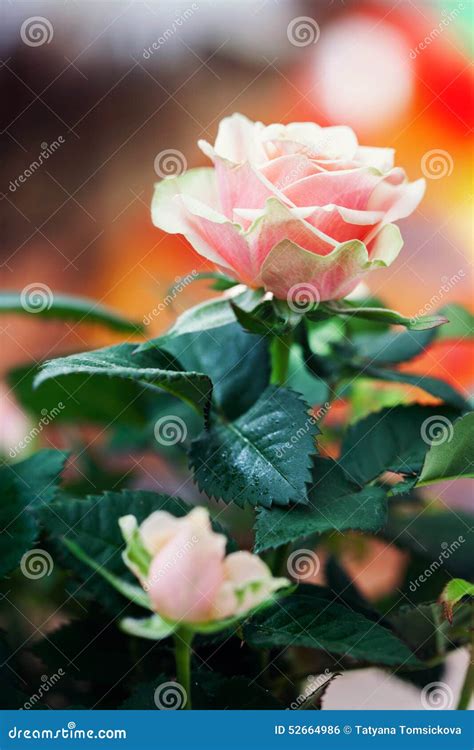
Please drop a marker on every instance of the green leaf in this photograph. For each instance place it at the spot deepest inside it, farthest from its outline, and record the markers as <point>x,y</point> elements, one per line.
<point>311,619</point>
<point>207,315</point>
<point>388,440</point>
<point>453,593</point>
<point>92,524</point>
<point>461,323</point>
<point>435,386</point>
<point>450,456</point>
<point>40,300</point>
<point>443,538</point>
<point>391,348</point>
<point>134,593</point>
<point>154,628</point>
<point>237,362</point>
<point>25,486</point>
<point>334,504</point>
<point>80,399</point>
<point>427,633</point>
<point>262,458</point>
<point>382,315</point>
<point>149,369</point>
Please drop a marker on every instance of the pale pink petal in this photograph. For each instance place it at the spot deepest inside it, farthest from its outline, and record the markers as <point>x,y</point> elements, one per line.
<point>185,576</point>
<point>351,188</point>
<point>331,276</point>
<point>397,201</point>
<point>371,156</point>
<point>238,140</point>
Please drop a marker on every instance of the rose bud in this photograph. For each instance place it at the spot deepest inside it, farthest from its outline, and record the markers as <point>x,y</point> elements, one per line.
<point>181,564</point>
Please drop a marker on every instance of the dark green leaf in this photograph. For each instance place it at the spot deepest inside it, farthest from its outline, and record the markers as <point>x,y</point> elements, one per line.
<point>81,399</point>
<point>151,369</point>
<point>391,348</point>
<point>388,440</point>
<point>262,458</point>
<point>237,363</point>
<point>451,455</point>
<point>308,618</point>
<point>333,504</point>
<point>25,486</point>
<point>40,300</point>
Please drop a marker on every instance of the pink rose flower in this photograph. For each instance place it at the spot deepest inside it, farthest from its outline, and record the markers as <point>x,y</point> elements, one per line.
<point>290,205</point>
<point>189,578</point>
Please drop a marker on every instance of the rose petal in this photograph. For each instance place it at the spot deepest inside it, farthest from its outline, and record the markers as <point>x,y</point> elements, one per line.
<point>331,276</point>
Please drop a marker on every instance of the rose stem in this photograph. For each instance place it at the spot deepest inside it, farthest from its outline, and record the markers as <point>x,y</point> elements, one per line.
<point>468,684</point>
<point>182,650</point>
<point>280,357</point>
